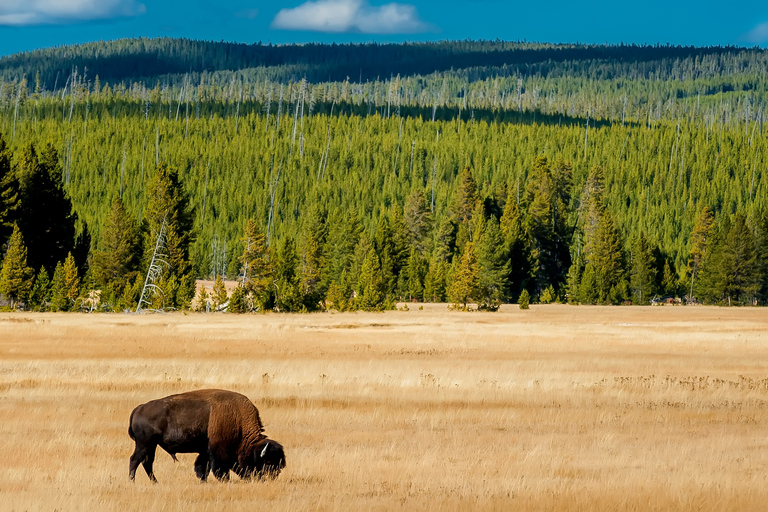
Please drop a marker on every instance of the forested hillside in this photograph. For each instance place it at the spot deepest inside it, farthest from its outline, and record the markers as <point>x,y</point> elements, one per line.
<point>468,172</point>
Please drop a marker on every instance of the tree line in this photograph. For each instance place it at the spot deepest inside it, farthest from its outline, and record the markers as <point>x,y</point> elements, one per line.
<point>534,243</point>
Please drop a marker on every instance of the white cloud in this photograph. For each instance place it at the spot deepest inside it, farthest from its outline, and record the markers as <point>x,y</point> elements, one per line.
<point>50,12</point>
<point>757,35</point>
<point>351,16</point>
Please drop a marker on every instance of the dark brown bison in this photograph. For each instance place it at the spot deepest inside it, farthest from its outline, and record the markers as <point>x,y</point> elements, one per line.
<point>223,427</point>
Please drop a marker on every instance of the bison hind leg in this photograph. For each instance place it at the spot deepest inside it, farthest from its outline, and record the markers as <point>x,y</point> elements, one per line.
<point>147,463</point>
<point>202,466</point>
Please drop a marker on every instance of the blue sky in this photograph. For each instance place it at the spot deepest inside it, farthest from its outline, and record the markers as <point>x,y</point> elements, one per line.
<point>31,24</point>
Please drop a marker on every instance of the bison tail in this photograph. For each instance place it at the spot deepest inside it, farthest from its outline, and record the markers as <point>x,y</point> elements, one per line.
<point>130,426</point>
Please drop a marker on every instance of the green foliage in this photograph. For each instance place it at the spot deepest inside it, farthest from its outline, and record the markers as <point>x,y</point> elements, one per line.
<point>465,279</point>
<point>370,284</point>
<point>643,272</point>
<point>115,262</point>
<point>41,291</point>
<point>287,280</point>
<point>524,300</point>
<point>237,301</point>
<point>219,294</point>
<point>15,275</point>
<point>65,286</point>
<point>203,301</point>
<point>494,267</point>
<point>256,269</point>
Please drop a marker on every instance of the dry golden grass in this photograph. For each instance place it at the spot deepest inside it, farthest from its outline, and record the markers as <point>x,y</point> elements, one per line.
<point>555,408</point>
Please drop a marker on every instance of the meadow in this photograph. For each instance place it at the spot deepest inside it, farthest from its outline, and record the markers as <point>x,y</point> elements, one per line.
<point>554,408</point>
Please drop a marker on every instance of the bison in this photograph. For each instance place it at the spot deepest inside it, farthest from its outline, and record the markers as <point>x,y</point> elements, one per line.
<point>223,427</point>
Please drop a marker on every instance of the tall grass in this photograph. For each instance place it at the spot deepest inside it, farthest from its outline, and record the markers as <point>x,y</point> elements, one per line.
<point>555,408</point>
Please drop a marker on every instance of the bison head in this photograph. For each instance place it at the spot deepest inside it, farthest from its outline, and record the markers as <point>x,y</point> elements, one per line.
<point>265,461</point>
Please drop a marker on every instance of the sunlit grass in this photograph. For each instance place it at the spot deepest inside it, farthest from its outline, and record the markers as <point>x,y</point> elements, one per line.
<point>556,408</point>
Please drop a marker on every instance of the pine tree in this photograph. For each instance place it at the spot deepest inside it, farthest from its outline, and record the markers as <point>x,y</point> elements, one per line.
<point>311,262</point>
<point>9,193</point>
<point>418,219</point>
<point>203,303</point>
<point>71,281</point>
<point>589,292</point>
<point>739,268</point>
<point>370,284</point>
<point>115,262</point>
<point>494,267</point>
<point>413,276</point>
<point>547,200</point>
<point>256,269</point>
<point>65,286</point>
<point>511,224</point>
<point>465,282</point>
<point>606,258</point>
<point>700,241</point>
<point>49,232</point>
<point>168,202</point>
<point>525,300</point>
<point>15,275</point>
<point>219,295</point>
<point>573,283</point>
<point>434,281</point>
<point>237,301</point>
<point>41,291</point>
<point>643,271</point>
<point>58,290</point>
<point>287,281</point>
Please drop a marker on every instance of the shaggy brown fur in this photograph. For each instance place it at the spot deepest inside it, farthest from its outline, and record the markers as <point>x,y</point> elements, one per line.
<point>223,427</point>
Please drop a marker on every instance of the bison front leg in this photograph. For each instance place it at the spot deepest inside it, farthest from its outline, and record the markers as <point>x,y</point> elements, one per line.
<point>202,466</point>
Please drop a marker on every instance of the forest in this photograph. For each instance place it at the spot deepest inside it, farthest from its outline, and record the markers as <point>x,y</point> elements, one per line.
<point>473,173</point>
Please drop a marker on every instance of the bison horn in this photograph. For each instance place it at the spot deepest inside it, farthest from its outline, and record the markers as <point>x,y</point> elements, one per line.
<point>264,450</point>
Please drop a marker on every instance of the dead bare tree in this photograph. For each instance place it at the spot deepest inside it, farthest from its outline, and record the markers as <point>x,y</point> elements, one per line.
<point>157,266</point>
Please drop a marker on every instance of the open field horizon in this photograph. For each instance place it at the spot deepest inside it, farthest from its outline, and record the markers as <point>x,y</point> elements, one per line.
<point>554,408</point>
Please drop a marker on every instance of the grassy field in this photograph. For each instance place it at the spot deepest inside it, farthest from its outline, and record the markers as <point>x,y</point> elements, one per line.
<point>555,408</point>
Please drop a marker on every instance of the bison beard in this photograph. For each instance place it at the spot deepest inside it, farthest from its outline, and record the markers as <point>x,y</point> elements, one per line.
<point>223,427</point>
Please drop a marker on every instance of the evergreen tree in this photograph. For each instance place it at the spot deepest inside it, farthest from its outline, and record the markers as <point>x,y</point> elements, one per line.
<point>287,281</point>
<point>589,291</point>
<point>525,300</point>
<point>237,301</point>
<point>311,262</point>
<point>58,289</point>
<point>700,241</point>
<point>370,284</point>
<point>115,262</point>
<point>41,291</point>
<point>573,283</point>
<point>49,231</point>
<point>418,220</point>
<point>219,295</point>
<point>434,281</point>
<point>256,268</point>
<point>203,302</point>
<point>494,266</point>
<point>737,276</point>
<point>465,281</point>
<point>65,286</point>
<point>606,258</point>
<point>168,204</point>
<point>339,293</point>
<point>15,275</point>
<point>547,201</point>
<point>512,229</point>
<point>413,276</point>
<point>643,271</point>
<point>9,193</point>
